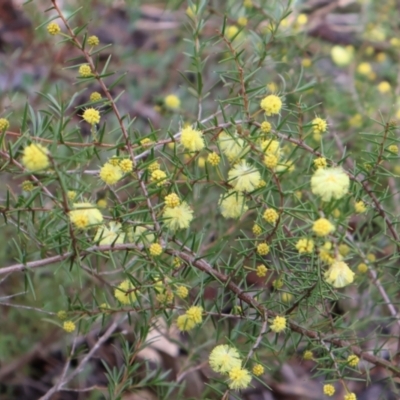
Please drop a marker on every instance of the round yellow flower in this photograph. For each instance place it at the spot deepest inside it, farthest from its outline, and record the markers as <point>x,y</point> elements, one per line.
<point>172,200</point>
<point>232,146</point>
<point>353,360</point>
<point>213,159</point>
<point>178,217</point>
<point>35,157</point>
<point>339,274</point>
<point>322,227</point>
<point>192,317</point>
<point>263,249</point>
<point>243,177</point>
<point>350,396</point>
<point>4,124</point>
<point>278,324</point>
<point>172,101</point>
<point>140,234</point>
<point>91,116</point>
<point>270,161</point>
<point>239,378</point>
<point>85,215</point>
<point>256,229</point>
<point>329,390</point>
<point>320,162</point>
<point>261,271</point>
<point>270,216</point>
<point>330,183</point>
<point>126,165</point>
<point>192,139</point>
<point>305,245</point>
<point>62,315</point>
<point>155,249</point>
<point>184,323</point>
<point>27,186</point>
<point>308,355</point>
<point>384,87</point>
<point>319,125</point>
<point>93,41</point>
<point>393,149</point>
<point>231,31</point>
<point>265,127</point>
<point>125,292</point>
<point>223,358</point>
<point>53,28</point>
<point>258,369</point>
<point>110,235</point>
<point>364,68</point>
<point>271,104</point>
<point>362,268</point>
<point>85,71</point>
<point>95,96</point>
<point>110,174</point>
<point>232,204</point>
<point>159,176</point>
<point>182,292</point>
<point>342,56</point>
<point>69,326</point>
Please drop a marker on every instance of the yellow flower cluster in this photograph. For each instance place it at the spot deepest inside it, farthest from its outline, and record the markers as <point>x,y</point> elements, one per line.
<point>265,127</point>
<point>192,139</point>
<point>91,116</point>
<point>278,324</point>
<point>270,216</point>
<point>319,125</point>
<point>182,292</point>
<point>243,177</point>
<point>93,41</point>
<point>305,245</point>
<point>4,124</point>
<point>110,235</point>
<point>232,146</point>
<point>192,317</point>
<point>95,96</point>
<point>27,186</point>
<point>261,271</point>
<point>178,217</point>
<point>339,274</point>
<point>263,249</point>
<point>85,71</point>
<point>330,183</point>
<point>53,28</point>
<point>232,205</point>
<point>213,159</point>
<point>172,101</point>
<point>362,268</point>
<point>155,249</point>
<point>353,360</point>
<point>85,215</point>
<point>271,104</point>
<point>258,369</point>
<point>308,355</point>
<point>320,162</point>
<point>35,157</point>
<point>329,390</point>
<point>125,292</point>
<point>350,396</point>
<point>69,326</point>
<point>159,177</point>
<point>172,200</point>
<point>226,360</point>
<point>322,227</point>
<point>110,174</point>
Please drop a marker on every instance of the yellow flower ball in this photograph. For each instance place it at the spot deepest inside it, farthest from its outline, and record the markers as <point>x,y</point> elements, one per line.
<point>159,177</point>
<point>233,146</point>
<point>261,271</point>
<point>329,390</point>
<point>85,215</point>
<point>110,235</point>
<point>271,161</point>
<point>125,292</point>
<point>93,41</point>
<point>192,139</point>
<point>223,358</point>
<point>35,157</point>
<point>364,68</point>
<point>393,149</point>
<point>342,56</point>
<point>53,28</point>
<point>360,207</point>
<point>213,159</point>
<point>339,275</point>
<point>85,71</point>
<point>4,124</point>
<point>172,101</point>
<point>91,116</point>
<point>320,162</point>
<point>270,216</point>
<point>353,360</point>
<point>258,369</point>
<point>239,378</point>
<point>330,183</point>
<point>110,174</point>
<point>244,177</point>
<point>231,32</point>
<point>95,96</point>
<point>172,200</point>
<point>322,227</point>
<point>178,217</point>
<point>155,249</point>
<point>263,249</point>
<point>182,292</point>
<point>126,165</point>
<point>308,355</point>
<point>362,268</point>
<point>265,127</point>
<point>278,324</point>
<point>305,245</point>
<point>271,104</point>
<point>232,204</point>
<point>350,396</point>
<point>384,87</point>
<point>256,230</point>
<point>69,326</point>
<point>319,125</point>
